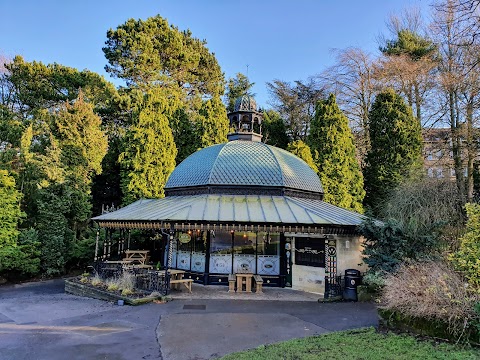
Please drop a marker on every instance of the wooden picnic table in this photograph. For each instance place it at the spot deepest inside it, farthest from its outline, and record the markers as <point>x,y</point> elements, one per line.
<point>137,256</point>
<point>244,279</point>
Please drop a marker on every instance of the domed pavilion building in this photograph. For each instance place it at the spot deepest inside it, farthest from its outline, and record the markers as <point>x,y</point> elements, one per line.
<point>245,206</point>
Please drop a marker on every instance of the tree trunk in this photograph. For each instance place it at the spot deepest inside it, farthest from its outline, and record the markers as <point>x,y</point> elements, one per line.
<point>471,150</point>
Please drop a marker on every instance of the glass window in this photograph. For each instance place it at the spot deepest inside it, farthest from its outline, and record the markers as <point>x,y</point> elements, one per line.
<point>199,243</point>
<point>268,243</point>
<point>221,242</point>
<point>244,242</point>
<point>221,252</point>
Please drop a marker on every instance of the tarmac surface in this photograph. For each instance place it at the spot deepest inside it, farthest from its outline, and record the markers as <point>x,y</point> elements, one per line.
<point>39,321</point>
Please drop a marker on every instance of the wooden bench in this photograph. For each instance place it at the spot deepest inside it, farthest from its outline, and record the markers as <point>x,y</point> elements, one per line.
<point>258,283</point>
<point>231,282</point>
<point>186,282</point>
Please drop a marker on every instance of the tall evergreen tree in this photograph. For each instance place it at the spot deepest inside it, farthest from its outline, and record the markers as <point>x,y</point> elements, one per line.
<point>151,52</point>
<point>82,140</point>
<point>409,64</point>
<point>18,255</point>
<point>149,158</point>
<point>34,85</point>
<point>213,123</point>
<point>184,134</point>
<point>83,146</point>
<point>152,56</point>
<point>396,146</point>
<point>10,213</point>
<point>52,204</point>
<point>274,130</point>
<point>236,87</point>
<point>331,137</point>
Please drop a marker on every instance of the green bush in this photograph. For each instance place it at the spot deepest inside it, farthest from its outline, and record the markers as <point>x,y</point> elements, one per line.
<point>20,261</point>
<point>374,280</point>
<point>467,258</point>
<point>385,245</point>
<point>81,253</point>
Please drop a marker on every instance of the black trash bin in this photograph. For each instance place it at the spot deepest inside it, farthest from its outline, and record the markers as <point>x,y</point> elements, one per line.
<point>352,280</point>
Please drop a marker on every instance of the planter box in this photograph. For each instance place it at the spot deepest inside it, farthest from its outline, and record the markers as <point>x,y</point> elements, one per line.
<point>87,290</point>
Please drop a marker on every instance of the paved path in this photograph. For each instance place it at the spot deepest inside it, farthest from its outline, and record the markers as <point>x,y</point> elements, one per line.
<point>39,321</point>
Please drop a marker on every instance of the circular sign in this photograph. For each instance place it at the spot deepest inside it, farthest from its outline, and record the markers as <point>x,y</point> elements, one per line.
<point>332,251</point>
<point>184,238</point>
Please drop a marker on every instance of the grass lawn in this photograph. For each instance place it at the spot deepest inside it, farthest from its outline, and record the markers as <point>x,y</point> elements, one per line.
<point>362,344</point>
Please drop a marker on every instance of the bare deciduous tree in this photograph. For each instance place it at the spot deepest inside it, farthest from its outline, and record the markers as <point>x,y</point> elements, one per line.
<point>352,81</point>
<point>296,104</point>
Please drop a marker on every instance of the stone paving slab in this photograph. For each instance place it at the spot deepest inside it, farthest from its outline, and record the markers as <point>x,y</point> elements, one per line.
<point>219,292</point>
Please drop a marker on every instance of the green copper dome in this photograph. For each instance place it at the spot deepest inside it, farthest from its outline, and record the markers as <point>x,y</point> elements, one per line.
<point>244,167</point>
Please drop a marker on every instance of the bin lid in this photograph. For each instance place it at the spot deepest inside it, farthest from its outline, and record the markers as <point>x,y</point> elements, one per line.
<point>352,272</point>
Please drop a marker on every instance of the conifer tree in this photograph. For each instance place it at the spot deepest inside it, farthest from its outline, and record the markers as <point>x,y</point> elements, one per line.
<point>82,140</point>
<point>331,138</point>
<point>236,87</point>
<point>184,133</point>
<point>274,130</point>
<point>302,150</point>
<point>213,123</point>
<point>10,212</point>
<point>396,147</point>
<point>150,155</point>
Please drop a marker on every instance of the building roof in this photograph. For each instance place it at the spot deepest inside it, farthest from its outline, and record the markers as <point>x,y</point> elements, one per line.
<point>255,210</point>
<point>244,164</point>
<point>245,103</point>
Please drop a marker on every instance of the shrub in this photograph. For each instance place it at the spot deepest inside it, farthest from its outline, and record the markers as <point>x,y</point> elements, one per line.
<point>375,280</point>
<point>112,284</point>
<point>428,210</point>
<point>19,261</point>
<point>81,252</point>
<point>126,281</point>
<point>96,280</point>
<point>467,258</point>
<point>126,292</point>
<point>432,291</point>
<point>385,245</point>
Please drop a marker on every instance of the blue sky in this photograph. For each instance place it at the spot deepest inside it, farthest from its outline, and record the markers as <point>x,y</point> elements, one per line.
<point>277,39</point>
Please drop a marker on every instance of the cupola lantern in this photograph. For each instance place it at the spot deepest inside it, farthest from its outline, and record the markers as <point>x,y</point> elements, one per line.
<point>245,120</point>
